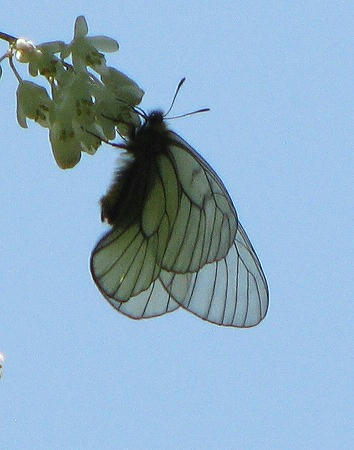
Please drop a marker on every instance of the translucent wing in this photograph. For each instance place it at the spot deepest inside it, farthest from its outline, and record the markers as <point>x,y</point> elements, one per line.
<point>230,287</point>
<point>204,224</point>
<point>153,302</point>
<point>232,291</point>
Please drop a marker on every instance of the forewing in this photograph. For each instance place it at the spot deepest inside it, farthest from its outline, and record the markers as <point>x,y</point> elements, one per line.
<point>232,291</point>
<point>203,222</point>
<point>125,261</point>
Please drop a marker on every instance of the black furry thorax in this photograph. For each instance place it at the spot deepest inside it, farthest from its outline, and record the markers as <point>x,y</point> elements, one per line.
<point>151,137</point>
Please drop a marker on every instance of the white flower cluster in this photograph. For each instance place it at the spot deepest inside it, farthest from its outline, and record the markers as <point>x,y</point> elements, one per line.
<point>88,101</point>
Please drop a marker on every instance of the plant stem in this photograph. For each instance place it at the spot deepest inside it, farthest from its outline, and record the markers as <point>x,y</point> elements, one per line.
<point>7,37</point>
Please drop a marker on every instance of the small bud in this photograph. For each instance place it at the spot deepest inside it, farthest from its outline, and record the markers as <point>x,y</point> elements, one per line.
<point>25,50</point>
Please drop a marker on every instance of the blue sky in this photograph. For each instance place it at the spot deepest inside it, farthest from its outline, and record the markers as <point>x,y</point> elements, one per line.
<point>78,375</point>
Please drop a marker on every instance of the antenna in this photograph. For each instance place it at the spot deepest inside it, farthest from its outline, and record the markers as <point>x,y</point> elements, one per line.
<point>174,97</point>
<point>188,114</point>
<point>173,101</point>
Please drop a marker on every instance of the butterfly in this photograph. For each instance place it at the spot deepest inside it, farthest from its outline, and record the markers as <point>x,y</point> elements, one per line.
<point>175,239</point>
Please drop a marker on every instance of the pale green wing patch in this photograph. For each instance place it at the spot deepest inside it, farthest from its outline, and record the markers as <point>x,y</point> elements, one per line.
<point>124,262</point>
<point>205,220</point>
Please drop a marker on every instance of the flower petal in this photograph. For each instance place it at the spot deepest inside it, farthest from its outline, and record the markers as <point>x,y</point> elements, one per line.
<point>104,43</point>
<point>80,28</point>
